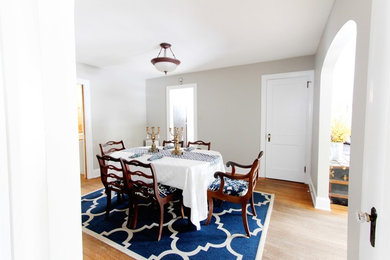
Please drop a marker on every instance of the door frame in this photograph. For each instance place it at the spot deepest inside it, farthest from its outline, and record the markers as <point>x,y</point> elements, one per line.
<point>87,128</point>
<point>190,85</point>
<point>309,122</point>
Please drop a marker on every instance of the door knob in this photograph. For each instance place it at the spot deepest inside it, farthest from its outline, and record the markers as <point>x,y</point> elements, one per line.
<point>269,137</point>
<point>365,217</point>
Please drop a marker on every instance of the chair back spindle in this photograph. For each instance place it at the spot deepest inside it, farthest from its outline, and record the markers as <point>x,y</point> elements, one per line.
<point>200,143</point>
<point>111,146</point>
<point>141,181</point>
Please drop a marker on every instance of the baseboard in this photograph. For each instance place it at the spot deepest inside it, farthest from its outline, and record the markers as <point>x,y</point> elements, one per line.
<point>322,203</point>
<point>95,174</point>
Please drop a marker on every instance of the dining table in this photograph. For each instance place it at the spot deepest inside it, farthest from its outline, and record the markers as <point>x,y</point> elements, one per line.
<point>192,172</point>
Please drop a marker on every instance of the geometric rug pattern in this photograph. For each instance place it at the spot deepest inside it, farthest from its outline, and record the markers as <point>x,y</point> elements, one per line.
<point>224,238</point>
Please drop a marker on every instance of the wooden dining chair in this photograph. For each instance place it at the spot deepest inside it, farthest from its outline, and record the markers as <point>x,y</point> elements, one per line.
<point>181,143</point>
<point>236,188</point>
<point>111,146</point>
<point>112,178</point>
<point>228,164</point>
<point>140,180</point>
<point>199,143</point>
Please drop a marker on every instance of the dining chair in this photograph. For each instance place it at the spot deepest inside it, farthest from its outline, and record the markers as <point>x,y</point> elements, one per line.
<point>111,146</point>
<point>199,143</point>
<point>140,180</point>
<point>236,188</point>
<point>181,143</point>
<point>112,178</point>
<point>228,164</point>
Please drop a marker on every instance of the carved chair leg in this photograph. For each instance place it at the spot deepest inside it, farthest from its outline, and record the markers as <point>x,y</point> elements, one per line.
<point>182,208</point>
<point>135,215</point>
<point>253,205</point>
<point>211,208</point>
<point>161,221</point>
<point>108,206</point>
<point>189,223</point>
<point>244,218</point>
<point>130,216</point>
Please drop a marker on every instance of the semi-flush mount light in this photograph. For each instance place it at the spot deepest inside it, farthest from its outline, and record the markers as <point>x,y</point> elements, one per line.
<point>165,64</point>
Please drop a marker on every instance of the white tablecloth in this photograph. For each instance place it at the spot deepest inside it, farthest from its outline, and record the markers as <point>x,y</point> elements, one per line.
<point>191,176</point>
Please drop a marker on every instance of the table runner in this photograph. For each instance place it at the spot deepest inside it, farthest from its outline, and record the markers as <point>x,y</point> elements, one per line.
<point>212,159</point>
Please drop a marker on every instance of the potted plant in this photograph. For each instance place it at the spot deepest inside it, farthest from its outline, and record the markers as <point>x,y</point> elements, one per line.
<point>340,133</point>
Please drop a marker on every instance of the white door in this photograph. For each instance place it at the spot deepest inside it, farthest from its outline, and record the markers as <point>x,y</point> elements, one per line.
<point>375,182</point>
<point>288,101</point>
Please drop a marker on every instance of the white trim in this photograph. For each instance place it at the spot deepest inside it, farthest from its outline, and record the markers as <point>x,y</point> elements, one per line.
<point>94,174</point>
<point>5,212</point>
<point>322,203</point>
<point>263,93</point>
<point>190,85</point>
<point>88,127</point>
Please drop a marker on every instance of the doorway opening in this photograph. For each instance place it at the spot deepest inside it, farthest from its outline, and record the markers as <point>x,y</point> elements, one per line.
<point>337,80</point>
<point>181,111</point>
<point>341,119</point>
<point>335,115</point>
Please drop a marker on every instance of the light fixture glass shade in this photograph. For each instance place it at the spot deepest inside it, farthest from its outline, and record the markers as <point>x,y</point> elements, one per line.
<point>165,64</point>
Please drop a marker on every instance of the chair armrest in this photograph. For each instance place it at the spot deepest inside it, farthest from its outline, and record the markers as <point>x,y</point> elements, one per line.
<point>230,175</point>
<point>234,165</point>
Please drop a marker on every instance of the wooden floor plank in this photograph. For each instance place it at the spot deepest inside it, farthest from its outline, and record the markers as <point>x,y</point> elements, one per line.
<point>296,230</point>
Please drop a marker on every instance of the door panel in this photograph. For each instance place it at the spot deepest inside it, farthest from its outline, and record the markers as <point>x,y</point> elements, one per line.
<point>286,122</point>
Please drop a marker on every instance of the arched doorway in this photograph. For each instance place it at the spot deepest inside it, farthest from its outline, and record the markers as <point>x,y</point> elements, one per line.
<point>336,81</point>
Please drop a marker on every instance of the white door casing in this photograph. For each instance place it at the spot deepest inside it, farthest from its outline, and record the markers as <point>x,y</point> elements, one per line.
<point>286,125</point>
<point>194,124</point>
<point>91,173</point>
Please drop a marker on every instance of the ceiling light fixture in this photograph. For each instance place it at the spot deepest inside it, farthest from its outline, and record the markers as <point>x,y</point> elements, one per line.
<point>165,64</point>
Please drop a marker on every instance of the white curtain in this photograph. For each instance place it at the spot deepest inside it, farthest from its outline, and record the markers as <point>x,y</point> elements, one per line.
<point>39,175</point>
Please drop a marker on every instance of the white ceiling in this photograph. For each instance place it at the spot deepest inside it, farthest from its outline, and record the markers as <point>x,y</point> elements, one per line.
<point>205,34</point>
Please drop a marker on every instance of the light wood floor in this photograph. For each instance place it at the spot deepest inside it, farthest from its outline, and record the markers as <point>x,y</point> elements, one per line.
<point>296,230</point>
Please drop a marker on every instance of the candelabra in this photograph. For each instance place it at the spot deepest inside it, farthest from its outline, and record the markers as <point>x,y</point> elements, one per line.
<point>153,136</point>
<point>177,134</point>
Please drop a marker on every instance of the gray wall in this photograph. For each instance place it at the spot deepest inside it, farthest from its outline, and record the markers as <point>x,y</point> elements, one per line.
<point>117,107</point>
<point>360,12</point>
<point>228,104</point>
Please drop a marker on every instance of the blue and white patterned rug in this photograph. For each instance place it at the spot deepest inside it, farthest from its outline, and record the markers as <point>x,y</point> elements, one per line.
<point>223,238</point>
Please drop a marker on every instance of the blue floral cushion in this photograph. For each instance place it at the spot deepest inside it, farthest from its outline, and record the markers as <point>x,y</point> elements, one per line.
<point>232,187</point>
<point>164,190</point>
